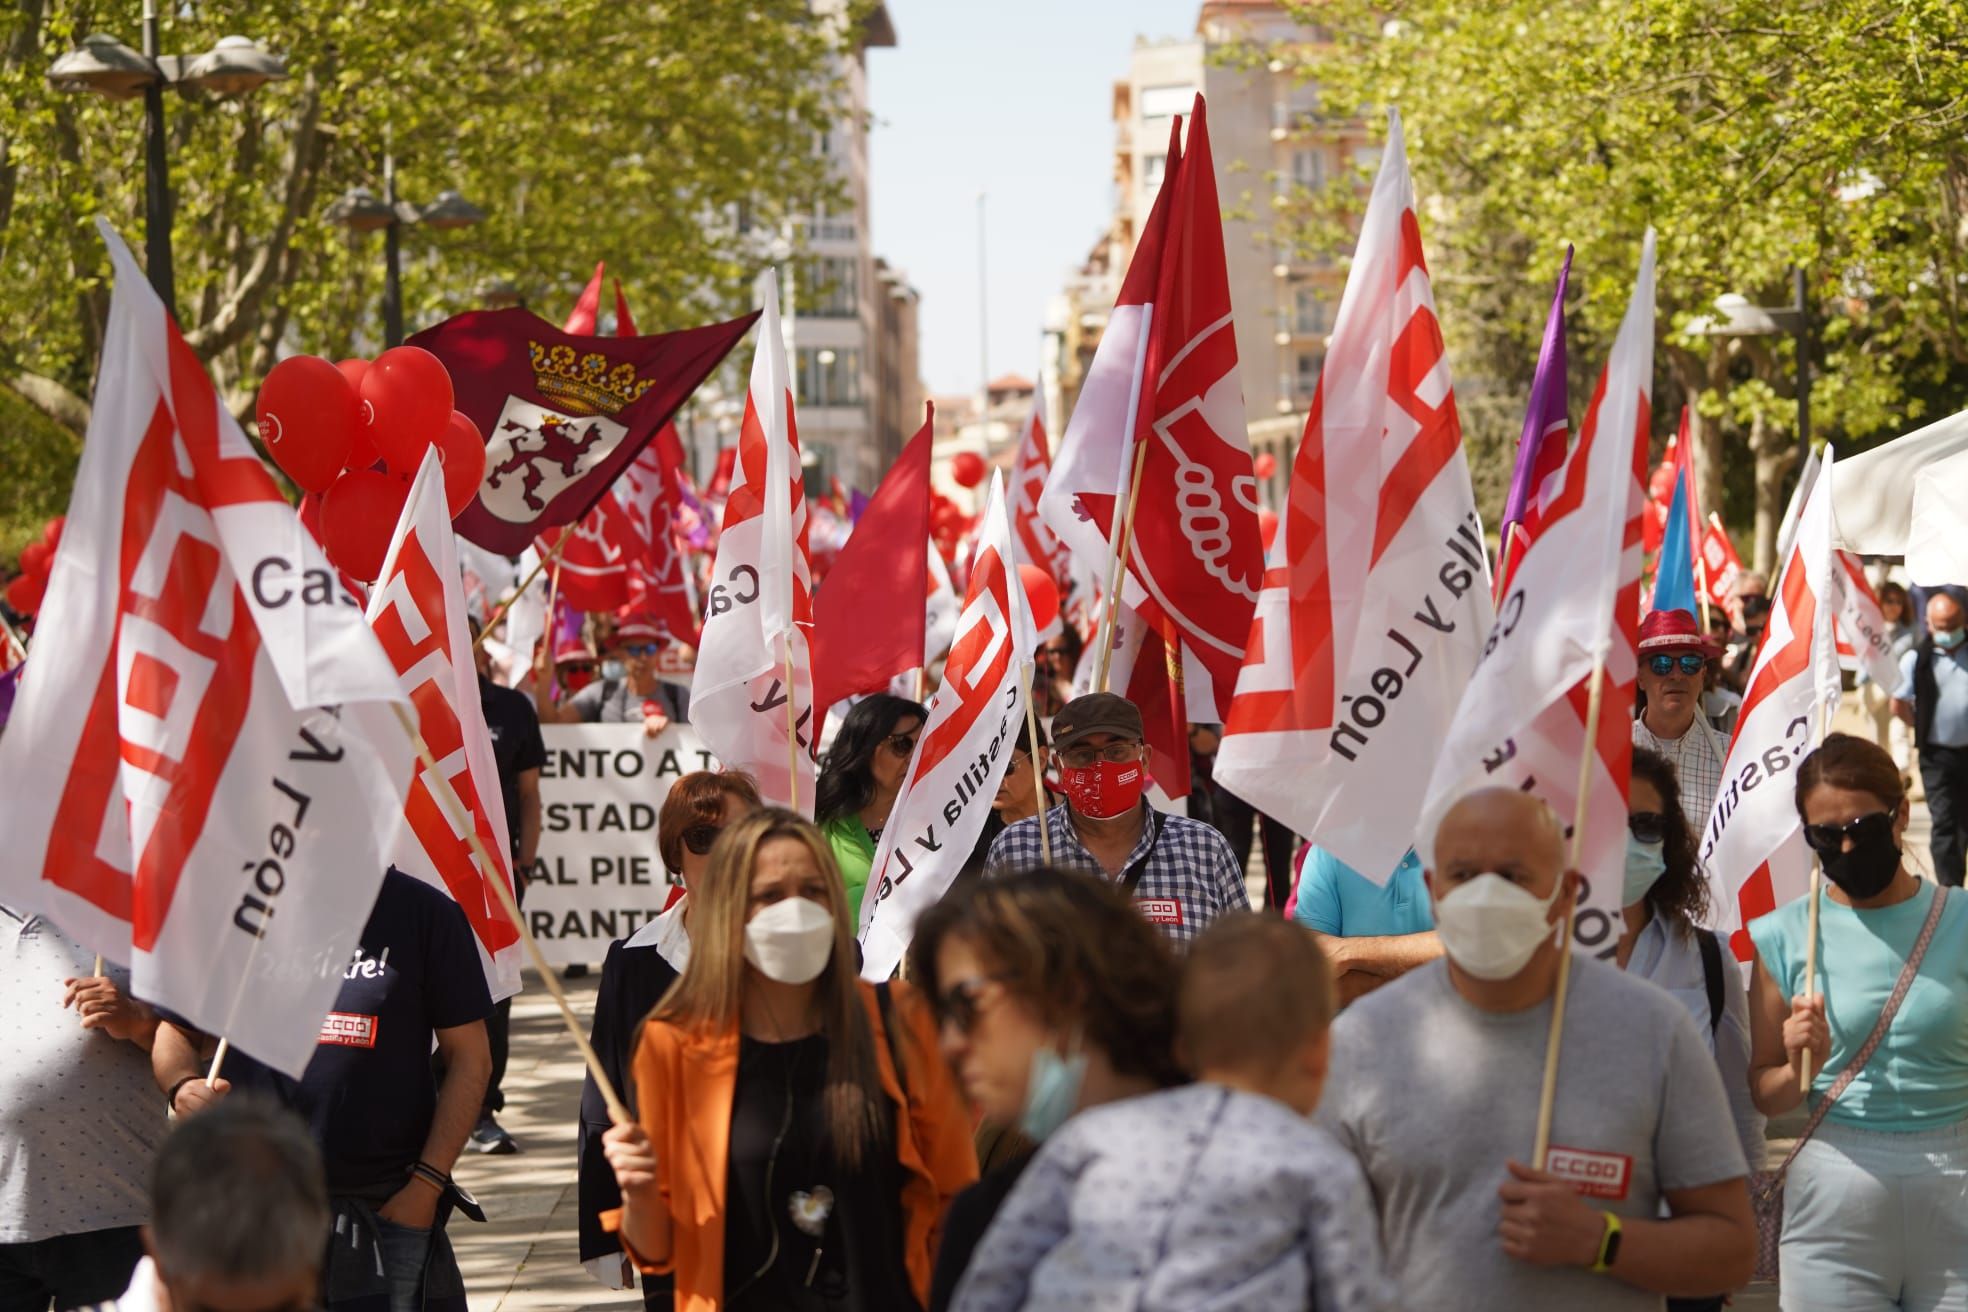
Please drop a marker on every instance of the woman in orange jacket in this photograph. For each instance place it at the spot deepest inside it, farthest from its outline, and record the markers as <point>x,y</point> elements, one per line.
<point>798,1135</point>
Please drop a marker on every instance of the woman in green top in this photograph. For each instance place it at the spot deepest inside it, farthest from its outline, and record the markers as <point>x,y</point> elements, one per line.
<point>1876,1203</point>
<point>859,780</point>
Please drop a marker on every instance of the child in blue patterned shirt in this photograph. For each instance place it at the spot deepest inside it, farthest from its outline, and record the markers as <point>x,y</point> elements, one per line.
<point>1219,1195</point>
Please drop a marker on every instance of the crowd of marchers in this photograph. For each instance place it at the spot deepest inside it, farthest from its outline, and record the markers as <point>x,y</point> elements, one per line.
<point>1102,1079</point>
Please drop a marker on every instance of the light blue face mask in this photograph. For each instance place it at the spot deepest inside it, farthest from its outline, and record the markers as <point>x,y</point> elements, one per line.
<point>613,669</point>
<point>1052,1092</point>
<point>1645,864</point>
<point>1949,639</point>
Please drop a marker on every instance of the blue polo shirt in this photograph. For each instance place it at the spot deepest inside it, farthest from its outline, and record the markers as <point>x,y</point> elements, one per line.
<point>1336,899</point>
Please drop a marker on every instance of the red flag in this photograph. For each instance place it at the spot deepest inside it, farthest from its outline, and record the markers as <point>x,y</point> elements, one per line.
<point>624,323</point>
<point>1196,552</point>
<point>581,319</point>
<point>868,619</point>
<point>563,415</point>
<point>1720,564</point>
<point>1031,541</point>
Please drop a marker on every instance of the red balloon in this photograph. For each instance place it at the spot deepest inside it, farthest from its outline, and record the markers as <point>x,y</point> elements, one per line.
<point>35,559</point>
<point>358,515</point>
<point>362,449</point>
<point>1043,594</point>
<point>408,393</point>
<point>51,532</point>
<point>463,453</point>
<point>307,415</point>
<point>1267,527</point>
<point>968,468</point>
<point>1265,465</point>
<point>24,593</point>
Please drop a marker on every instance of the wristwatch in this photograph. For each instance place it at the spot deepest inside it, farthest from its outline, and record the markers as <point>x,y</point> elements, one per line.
<point>1609,1245</point>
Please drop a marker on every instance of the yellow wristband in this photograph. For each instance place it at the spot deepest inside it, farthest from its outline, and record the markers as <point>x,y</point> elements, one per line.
<point>1609,1244</point>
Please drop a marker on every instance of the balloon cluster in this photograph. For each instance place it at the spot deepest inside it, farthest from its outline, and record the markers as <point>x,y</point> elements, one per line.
<point>948,524</point>
<point>25,593</point>
<point>351,435</point>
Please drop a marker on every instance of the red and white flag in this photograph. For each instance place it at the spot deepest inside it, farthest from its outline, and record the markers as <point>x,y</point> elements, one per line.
<point>1863,642</point>
<point>760,605</point>
<point>1091,468</point>
<point>1720,564</point>
<point>1753,844</point>
<point>1032,540</point>
<point>961,753</point>
<point>417,609</point>
<point>199,782</point>
<point>1196,558</point>
<point>1368,630</point>
<point>1572,604</point>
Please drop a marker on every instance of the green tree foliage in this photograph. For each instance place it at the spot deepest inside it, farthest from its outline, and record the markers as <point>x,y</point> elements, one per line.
<point>1753,135</point>
<point>652,134</point>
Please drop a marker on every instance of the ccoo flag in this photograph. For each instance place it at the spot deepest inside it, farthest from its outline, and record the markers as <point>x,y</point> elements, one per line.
<point>961,753</point>
<point>1373,620</point>
<point>198,781</point>
<point>1572,606</point>
<point>760,607</point>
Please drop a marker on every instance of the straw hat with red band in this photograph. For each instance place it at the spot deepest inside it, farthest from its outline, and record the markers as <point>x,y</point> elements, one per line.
<point>1675,631</point>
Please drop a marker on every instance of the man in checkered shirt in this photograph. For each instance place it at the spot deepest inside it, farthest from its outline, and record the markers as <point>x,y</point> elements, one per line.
<point>1674,656</point>
<point>1180,871</point>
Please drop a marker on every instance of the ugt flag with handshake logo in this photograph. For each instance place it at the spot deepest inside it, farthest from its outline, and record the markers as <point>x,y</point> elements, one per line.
<point>190,783</point>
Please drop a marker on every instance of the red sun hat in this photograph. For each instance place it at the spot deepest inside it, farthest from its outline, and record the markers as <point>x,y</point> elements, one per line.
<point>633,628</point>
<point>1674,630</point>
<point>573,651</point>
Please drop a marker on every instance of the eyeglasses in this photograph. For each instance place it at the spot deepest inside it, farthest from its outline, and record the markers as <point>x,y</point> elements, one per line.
<point>1117,753</point>
<point>1646,826</point>
<point>1829,840</point>
<point>1689,662</point>
<point>958,1005</point>
<point>902,744</point>
<point>700,838</point>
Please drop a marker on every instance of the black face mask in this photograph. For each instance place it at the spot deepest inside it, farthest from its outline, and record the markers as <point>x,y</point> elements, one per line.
<point>1864,871</point>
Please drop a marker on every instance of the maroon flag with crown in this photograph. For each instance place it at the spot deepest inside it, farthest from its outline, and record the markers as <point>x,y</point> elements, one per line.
<point>563,415</point>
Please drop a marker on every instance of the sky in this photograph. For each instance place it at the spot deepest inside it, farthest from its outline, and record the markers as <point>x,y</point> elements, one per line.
<point>1012,98</point>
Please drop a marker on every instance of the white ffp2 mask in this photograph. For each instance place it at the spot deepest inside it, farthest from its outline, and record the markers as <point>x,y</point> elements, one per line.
<point>790,941</point>
<point>1491,927</point>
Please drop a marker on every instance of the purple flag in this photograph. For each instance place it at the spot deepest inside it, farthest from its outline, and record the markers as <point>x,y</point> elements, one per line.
<point>8,682</point>
<point>1546,416</point>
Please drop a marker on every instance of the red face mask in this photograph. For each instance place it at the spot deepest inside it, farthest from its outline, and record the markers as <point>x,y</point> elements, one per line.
<point>1104,789</point>
<point>577,677</point>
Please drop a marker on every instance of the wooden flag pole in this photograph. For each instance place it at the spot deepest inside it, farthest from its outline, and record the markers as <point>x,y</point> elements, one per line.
<point>1503,562</point>
<point>1811,937</point>
<point>1118,570</point>
<point>551,558</point>
<point>97,970</point>
<point>218,1060</point>
<point>1547,1097</point>
<point>13,636</point>
<point>1038,775</point>
<point>461,822</point>
<point>792,733</point>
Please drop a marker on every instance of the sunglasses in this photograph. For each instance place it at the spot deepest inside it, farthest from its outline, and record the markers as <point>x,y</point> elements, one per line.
<point>1120,753</point>
<point>959,1004</point>
<point>640,649</point>
<point>902,744</point>
<point>700,838</point>
<point>1829,840</point>
<point>1646,826</point>
<point>1688,661</point>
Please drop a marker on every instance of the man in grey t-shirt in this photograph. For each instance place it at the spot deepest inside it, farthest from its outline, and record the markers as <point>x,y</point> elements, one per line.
<point>1434,1086</point>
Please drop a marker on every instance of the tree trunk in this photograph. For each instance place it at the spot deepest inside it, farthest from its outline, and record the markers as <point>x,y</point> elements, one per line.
<point>1776,456</point>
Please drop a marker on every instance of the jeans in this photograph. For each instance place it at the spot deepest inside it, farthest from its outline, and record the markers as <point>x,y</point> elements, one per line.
<point>498,1034</point>
<point>1877,1222</point>
<point>405,1253</point>
<point>1944,771</point>
<point>72,1270</point>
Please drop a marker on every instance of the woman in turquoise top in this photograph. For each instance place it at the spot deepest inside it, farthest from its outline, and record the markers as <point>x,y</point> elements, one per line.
<point>858,782</point>
<point>1876,1203</point>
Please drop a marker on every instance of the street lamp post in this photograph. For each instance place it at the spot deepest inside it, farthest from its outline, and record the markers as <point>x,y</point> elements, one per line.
<point>359,210</point>
<point>107,67</point>
<point>1742,319</point>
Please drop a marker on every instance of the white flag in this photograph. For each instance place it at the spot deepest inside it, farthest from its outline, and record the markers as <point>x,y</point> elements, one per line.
<point>197,780</point>
<point>1572,604</point>
<point>1753,845</point>
<point>760,605</point>
<point>1368,630</point>
<point>961,753</point>
<point>417,610</point>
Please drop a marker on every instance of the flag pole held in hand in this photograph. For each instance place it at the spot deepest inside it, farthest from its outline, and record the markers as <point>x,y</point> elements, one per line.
<point>551,558</point>
<point>454,810</point>
<point>1038,775</point>
<point>1548,1095</point>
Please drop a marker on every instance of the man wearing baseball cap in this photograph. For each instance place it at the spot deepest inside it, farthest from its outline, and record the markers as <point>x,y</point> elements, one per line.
<point>1674,656</point>
<point>1179,871</point>
<point>628,691</point>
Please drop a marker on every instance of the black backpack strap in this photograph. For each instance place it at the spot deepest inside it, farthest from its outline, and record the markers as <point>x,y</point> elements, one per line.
<point>1711,951</point>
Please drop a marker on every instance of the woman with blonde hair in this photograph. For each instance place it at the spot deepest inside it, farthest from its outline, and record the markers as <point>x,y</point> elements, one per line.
<point>798,1135</point>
